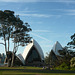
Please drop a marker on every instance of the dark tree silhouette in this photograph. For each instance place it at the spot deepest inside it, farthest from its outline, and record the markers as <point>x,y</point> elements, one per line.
<point>72,43</point>
<point>13,28</point>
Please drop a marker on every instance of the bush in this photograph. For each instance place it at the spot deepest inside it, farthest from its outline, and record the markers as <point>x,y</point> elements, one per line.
<point>73,69</point>
<point>72,61</point>
<point>63,66</point>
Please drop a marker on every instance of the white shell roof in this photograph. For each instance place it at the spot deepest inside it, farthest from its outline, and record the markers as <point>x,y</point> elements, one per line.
<point>28,48</point>
<point>23,56</point>
<point>57,46</point>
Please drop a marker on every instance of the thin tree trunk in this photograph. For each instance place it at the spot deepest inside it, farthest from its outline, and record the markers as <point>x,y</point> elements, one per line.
<point>8,39</point>
<point>5,46</point>
<point>16,48</point>
<point>5,43</point>
<point>9,62</point>
<point>12,62</point>
<point>8,44</point>
<point>8,59</point>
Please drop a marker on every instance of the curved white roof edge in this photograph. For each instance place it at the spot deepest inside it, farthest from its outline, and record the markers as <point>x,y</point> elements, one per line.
<point>39,49</point>
<point>57,46</point>
<point>21,58</point>
<point>28,48</point>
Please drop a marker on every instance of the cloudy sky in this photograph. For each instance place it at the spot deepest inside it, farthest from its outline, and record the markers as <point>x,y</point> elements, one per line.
<point>50,20</point>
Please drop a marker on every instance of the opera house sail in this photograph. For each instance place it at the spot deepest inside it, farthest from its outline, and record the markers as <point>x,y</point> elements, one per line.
<point>57,46</point>
<point>32,55</point>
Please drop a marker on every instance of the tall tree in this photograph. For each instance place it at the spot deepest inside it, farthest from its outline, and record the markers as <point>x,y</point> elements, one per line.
<point>72,43</point>
<point>13,28</point>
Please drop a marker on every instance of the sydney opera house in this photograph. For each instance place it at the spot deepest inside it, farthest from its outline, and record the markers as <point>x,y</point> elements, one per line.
<point>32,55</point>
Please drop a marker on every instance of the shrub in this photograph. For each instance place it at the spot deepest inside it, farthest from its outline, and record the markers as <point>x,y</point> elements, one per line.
<point>72,61</point>
<point>63,66</point>
<point>73,68</point>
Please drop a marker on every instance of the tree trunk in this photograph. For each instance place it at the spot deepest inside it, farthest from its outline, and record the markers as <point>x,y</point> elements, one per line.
<point>5,46</point>
<point>12,62</point>
<point>8,61</point>
<point>5,43</point>
<point>8,44</point>
<point>8,58</point>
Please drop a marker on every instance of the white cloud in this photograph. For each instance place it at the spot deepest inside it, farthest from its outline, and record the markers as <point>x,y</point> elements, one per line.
<point>25,11</point>
<point>19,0</point>
<point>37,1</point>
<point>41,37</point>
<point>48,46</point>
<point>64,12</point>
<point>41,31</point>
<point>61,0</point>
<point>69,12</point>
<point>35,22</point>
<point>36,15</point>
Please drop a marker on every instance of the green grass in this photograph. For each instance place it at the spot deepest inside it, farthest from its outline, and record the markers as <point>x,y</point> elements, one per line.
<point>32,71</point>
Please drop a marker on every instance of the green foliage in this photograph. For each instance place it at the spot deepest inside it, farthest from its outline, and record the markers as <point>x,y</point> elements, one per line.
<point>63,66</point>
<point>73,69</point>
<point>51,58</point>
<point>72,43</point>
<point>72,61</point>
<point>47,59</point>
<point>12,27</point>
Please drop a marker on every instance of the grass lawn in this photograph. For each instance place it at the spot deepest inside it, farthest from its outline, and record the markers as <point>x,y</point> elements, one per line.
<point>32,71</point>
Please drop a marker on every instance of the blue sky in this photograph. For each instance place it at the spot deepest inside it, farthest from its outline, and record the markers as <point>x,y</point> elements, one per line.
<point>50,20</point>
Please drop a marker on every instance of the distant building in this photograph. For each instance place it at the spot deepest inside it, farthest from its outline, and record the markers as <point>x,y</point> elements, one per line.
<point>32,55</point>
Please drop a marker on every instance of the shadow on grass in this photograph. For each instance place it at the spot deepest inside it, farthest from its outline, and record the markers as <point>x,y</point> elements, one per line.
<point>19,74</point>
<point>37,71</point>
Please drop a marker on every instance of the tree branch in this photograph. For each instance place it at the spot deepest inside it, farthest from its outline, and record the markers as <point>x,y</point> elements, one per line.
<point>14,50</point>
